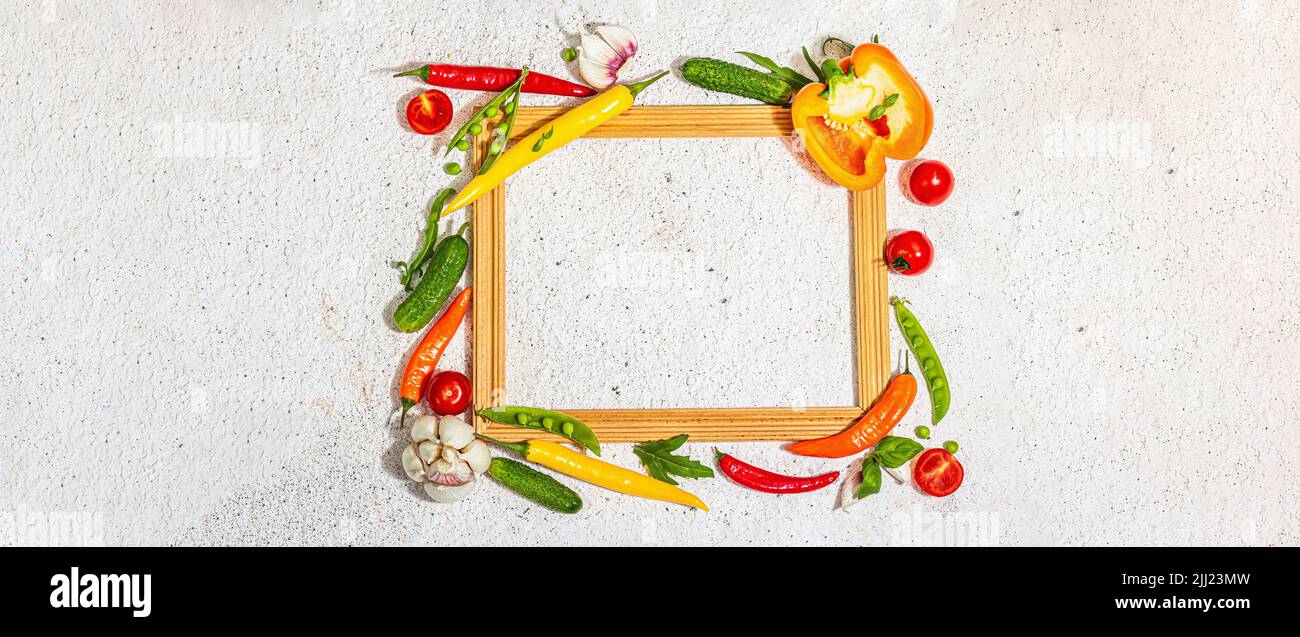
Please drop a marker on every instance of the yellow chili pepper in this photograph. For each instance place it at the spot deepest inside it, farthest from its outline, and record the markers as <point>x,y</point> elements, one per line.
<point>598,472</point>
<point>573,124</point>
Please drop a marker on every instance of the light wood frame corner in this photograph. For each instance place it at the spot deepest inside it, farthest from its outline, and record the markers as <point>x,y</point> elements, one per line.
<point>870,291</point>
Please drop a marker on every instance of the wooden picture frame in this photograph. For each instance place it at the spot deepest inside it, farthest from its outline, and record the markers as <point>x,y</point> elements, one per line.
<point>870,291</point>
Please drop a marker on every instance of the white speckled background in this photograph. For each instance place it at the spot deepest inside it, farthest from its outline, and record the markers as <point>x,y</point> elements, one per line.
<point>200,200</point>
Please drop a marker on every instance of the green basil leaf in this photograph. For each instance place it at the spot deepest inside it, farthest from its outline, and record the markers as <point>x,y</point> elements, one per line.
<point>894,452</point>
<point>889,101</point>
<point>785,73</point>
<point>870,479</point>
<point>876,113</point>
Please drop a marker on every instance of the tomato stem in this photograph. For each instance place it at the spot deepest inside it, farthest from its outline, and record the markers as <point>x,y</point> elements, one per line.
<point>900,265</point>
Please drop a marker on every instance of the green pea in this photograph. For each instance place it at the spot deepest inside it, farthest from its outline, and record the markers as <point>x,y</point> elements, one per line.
<point>567,428</point>
<point>923,432</point>
<point>508,108</point>
<point>451,168</point>
<point>490,111</point>
<point>917,341</point>
<point>500,130</point>
<point>462,145</point>
<point>475,128</point>
<point>521,418</point>
<point>496,146</point>
<point>908,323</point>
<point>951,446</point>
<point>569,54</point>
<point>548,422</point>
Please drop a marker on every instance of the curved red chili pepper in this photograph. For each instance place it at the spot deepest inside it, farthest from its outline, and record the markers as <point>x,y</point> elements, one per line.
<point>750,476</point>
<point>491,78</point>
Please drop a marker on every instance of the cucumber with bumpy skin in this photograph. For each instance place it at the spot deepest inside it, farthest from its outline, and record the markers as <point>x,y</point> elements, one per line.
<point>444,270</point>
<point>534,485</point>
<point>725,77</point>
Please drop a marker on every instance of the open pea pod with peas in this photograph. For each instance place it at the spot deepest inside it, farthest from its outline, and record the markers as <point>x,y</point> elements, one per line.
<point>936,380</point>
<point>554,422</point>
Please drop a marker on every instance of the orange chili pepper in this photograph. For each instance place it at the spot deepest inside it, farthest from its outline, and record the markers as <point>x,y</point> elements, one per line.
<point>426,356</point>
<point>871,428</point>
<point>837,121</point>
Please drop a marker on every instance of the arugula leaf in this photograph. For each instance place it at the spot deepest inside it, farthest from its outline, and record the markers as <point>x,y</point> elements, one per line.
<point>659,460</point>
<point>870,478</point>
<point>786,74</point>
<point>894,452</point>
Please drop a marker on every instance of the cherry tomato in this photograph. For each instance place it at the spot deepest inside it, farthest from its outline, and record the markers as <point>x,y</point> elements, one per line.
<point>927,182</point>
<point>909,252</point>
<point>429,112</point>
<point>448,393</point>
<point>937,472</point>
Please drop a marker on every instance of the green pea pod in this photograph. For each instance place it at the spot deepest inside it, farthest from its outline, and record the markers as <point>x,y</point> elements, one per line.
<point>445,267</point>
<point>545,420</point>
<point>935,378</point>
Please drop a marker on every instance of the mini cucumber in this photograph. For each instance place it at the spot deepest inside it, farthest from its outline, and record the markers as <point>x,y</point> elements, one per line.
<point>717,75</point>
<point>534,485</point>
<point>446,265</point>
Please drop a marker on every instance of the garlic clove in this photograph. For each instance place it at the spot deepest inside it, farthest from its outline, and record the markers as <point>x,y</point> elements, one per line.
<point>619,39</point>
<point>449,473</point>
<point>411,464</point>
<point>428,450</point>
<point>425,428</point>
<point>450,455</point>
<point>447,494</point>
<point>596,48</point>
<point>477,456</point>
<point>455,433</point>
<point>604,53</point>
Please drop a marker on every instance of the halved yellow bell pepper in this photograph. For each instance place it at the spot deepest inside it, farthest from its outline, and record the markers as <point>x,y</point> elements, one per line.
<point>836,118</point>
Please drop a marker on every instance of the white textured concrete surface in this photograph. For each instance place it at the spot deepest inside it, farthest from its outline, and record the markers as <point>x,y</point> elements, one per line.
<point>193,346</point>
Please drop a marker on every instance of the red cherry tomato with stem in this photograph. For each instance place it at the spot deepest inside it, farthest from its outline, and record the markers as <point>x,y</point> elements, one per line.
<point>429,112</point>
<point>937,472</point>
<point>448,393</point>
<point>927,182</point>
<point>909,253</point>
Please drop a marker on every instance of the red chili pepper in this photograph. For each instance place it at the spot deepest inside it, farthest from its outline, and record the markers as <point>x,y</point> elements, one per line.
<point>491,78</point>
<point>763,480</point>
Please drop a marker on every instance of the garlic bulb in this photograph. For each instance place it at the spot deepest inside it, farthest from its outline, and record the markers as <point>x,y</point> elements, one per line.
<point>445,456</point>
<point>603,53</point>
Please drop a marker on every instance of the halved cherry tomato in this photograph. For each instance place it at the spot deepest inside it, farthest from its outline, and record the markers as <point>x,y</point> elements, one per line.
<point>927,182</point>
<point>937,472</point>
<point>429,112</point>
<point>909,252</point>
<point>448,393</point>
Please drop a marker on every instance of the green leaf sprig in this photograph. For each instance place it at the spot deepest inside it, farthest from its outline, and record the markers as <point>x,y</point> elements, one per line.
<point>660,462</point>
<point>892,452</point>
<point>795,79</point>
